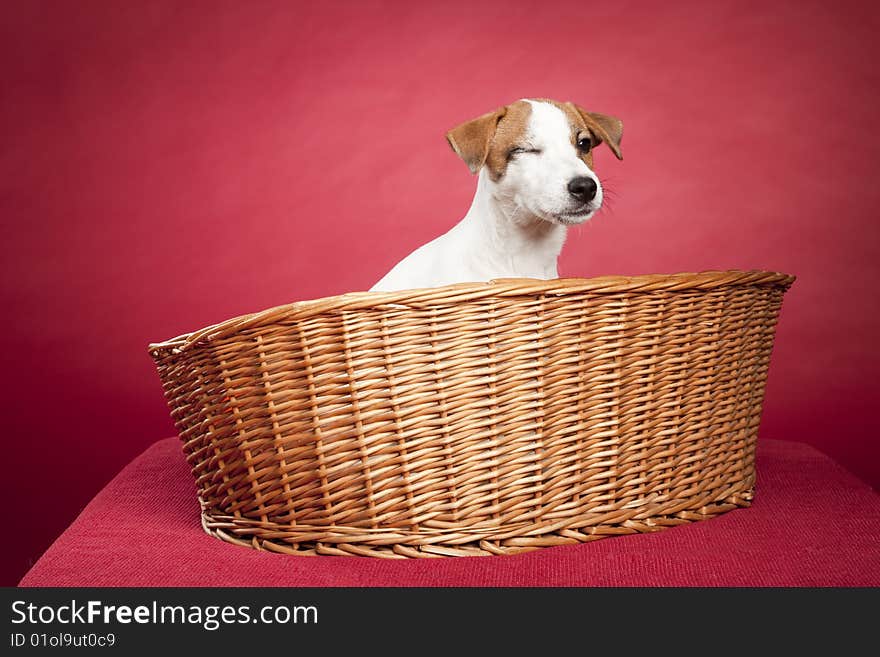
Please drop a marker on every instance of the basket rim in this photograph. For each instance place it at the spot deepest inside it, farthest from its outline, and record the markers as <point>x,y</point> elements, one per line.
<point>459,292</point>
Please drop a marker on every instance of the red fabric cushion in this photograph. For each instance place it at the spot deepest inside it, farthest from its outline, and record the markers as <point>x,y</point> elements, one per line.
<point>812,523</point>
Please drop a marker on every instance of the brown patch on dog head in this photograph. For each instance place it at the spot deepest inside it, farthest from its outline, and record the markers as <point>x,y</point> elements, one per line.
<point>602,128</point>
<point>488,139</point>
<point>510,134</point>
<point>579,131</point>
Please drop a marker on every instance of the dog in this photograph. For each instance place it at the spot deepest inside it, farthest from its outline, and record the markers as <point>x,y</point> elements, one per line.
<point>534,165</point>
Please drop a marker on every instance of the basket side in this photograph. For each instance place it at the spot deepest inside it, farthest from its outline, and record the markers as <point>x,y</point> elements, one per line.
<point>488,425</point>
<point>245,434</point>
<point>191,390</point>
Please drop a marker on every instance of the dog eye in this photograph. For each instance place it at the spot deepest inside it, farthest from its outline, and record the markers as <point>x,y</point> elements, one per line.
<point>520,149</point>
<point>584,144</point>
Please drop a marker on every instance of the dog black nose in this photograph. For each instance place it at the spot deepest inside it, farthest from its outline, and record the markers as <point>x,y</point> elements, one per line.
<point>583,188</point>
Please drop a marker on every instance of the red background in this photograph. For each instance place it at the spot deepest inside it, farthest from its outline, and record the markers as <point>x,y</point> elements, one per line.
<point>164,166</point>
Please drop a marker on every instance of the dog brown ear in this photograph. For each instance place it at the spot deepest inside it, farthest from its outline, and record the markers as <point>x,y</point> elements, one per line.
<point>606,128</point>
<point>471,139</point>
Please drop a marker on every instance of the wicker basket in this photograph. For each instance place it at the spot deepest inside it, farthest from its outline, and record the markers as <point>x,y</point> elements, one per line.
<point>476,419</point>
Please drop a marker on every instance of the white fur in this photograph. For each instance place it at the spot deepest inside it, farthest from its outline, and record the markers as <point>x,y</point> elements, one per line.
<point>515,227</point>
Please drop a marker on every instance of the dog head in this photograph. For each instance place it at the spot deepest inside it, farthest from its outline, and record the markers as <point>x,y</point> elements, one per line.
<point>538,154</point>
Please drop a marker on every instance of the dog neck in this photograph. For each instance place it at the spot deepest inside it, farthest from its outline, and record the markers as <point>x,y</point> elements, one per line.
<point>507,239</point>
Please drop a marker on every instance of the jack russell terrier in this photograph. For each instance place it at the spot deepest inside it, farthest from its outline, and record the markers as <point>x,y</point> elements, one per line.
<point>535,164</point>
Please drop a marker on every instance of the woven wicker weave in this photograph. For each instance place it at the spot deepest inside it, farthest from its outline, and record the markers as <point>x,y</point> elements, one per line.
<point>477,418</point>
